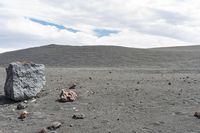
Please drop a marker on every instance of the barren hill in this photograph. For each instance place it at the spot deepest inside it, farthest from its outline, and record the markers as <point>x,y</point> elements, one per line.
<point>107,56</point>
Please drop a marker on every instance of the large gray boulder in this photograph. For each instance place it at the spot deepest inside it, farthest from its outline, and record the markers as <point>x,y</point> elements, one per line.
<point>24,80</point>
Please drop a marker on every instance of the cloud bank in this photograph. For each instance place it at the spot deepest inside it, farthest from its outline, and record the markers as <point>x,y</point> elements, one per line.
<point>138,23</point>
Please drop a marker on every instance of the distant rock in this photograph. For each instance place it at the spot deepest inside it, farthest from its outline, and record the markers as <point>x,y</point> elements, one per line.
<point>24,80</point>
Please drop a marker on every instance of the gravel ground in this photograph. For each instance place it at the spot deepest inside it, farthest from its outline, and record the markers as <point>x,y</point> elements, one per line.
<point>113,100</point>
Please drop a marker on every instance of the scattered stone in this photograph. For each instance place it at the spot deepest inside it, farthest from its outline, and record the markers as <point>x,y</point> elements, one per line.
<point>73,86</point>
<point>23,115</point>
<point>136,89</point>
<point>169,83</point>
<point>54,126</point>
<point>21,106</point>
<point>24,80</point>
<point>68,96</point>
<point>43,130</point>
<point>33,100</point>
<point>197,114</point>
<point>71,125</point>
<point>158,123</point>
<point>78,116</point>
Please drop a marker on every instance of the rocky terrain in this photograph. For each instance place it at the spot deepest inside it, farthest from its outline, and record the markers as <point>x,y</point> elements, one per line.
<point>141,91</point>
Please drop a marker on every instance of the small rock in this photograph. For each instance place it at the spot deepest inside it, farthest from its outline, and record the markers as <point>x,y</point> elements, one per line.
<point>138,82</point>
<point>68,96</point>
<point>23,115</point>
<point>197,114</point>
<point>54,126</point>
<point>78,116</point>
<point>21,106</point>
<point>136,89</point>
<point>169,83</point>
<point>33,100</point>
<point>43,130</point>
<point>72,86</point>
<point>158,123</point>
<point>71,125</point>
<point>90,78</point>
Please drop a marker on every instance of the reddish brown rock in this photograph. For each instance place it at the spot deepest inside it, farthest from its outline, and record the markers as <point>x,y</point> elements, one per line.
<point>23,115</point>
<point>68,96</point>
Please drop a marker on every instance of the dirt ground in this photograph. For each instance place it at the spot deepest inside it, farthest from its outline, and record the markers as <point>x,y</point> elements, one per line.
<point>114,100</point>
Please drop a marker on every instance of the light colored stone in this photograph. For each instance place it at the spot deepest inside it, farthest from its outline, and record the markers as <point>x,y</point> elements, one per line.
<point>24,80</point>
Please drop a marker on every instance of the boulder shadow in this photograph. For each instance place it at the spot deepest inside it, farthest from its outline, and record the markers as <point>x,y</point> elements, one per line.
<point>4,100</point>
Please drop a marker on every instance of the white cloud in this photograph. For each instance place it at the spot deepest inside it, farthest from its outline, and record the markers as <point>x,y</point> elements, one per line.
<point>142,23</point>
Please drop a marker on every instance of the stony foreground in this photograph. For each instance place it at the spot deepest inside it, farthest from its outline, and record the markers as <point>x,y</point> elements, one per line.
<point>112,101</point>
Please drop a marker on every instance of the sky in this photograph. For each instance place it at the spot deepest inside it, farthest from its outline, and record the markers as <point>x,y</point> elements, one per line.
<point>129,23</point>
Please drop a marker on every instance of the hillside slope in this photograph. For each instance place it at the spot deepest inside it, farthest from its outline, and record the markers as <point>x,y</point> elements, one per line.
<point>106,56</point>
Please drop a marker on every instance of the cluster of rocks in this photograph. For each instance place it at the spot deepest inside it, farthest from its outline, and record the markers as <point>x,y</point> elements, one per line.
<point>24,81</point>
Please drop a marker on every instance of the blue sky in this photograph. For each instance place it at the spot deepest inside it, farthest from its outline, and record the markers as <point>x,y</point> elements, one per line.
<point>99,32</point>
<point>138,23</point>
<point>60,27</point>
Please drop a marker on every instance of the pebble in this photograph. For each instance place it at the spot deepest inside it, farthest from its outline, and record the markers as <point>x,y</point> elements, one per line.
<point>21,106</point>
<point>23,114</point>
<point>71,125</point>
<point>43,130</point>
<point>55,125</point>
<point>78,116</point>
<point>33,100</point>
<point>73,86</point>
<point>197,114</point>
